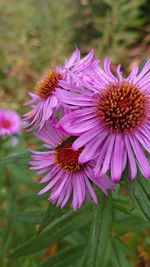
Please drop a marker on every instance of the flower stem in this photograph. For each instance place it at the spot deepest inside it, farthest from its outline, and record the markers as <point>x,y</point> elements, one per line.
<point>99,232</point>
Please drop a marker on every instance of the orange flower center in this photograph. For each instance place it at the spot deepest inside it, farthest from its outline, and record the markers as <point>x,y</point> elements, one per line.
<point>5,123</point>
<point>67,158</point>
<point>122,107</point>
<point>47,84</point>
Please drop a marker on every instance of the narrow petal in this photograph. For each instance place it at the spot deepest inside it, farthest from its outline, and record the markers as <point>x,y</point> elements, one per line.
<point>132,163</point>
<point>51,184</point>
<point>91,190</point>
<point>108,156</point>
<point>68,192</point>
<point>70,123</point>
<point>143,140</point>
<point>105,184</point>
<point>141,158</point>
<point>60,187</point>
<point>74,58</point>
<point>86,137</point>
<point>117,159</point>
<point>102,152</point>
<point>91,149</point>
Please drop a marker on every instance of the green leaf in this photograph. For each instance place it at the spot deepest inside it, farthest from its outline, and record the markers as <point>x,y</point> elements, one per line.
<point>16,158</point>
<point>33,217</point>
<point>56,231</point>
<point>77,237</point>
<point>107,254</point>
<point>105,231</point>
<point>21,157</point>
<point>64,258</point>
<point>122,206</point>
<point>134,224</point>
<point>118,257</point>
<point>141,66</point>
<point>69,140</point>
<point>131,189</point>
<point>83,259</point>
<point>51,212</point>
<point>130,251</point>
<point>142,196</point>
<point>100,233</point>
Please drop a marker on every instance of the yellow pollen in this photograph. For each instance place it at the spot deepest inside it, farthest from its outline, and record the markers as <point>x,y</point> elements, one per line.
<point>67,158</point>
<point>122,107</point>
<point>48,83</point>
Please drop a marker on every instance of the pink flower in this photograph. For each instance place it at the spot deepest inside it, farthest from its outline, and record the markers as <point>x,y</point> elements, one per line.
<point>44,101</point>
<point>10,122</point>
<point>65,176</point>
<point>112,120</point>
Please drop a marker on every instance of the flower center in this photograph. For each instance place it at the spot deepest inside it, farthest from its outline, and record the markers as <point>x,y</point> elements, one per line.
<point>122,107</point>
<point>47,84</point>
<point>67,158</point>
<point>5,123</point>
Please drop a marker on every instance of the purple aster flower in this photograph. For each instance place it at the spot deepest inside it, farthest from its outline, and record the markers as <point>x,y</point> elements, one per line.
<point>65,176</point>
<point>44,101</point>
<point>113,120</point>
<point>10,122</point>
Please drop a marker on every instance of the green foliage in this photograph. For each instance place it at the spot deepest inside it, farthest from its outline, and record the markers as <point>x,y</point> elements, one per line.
<point>100,233</point>
<point>16,202</point>
<point>90,237</point>
<point>70,231</point>
<point>37,34</point>
<point>109,26</point>
<point>142,197</point>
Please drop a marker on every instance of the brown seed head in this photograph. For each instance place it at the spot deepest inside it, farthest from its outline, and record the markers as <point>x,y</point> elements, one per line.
<point>122,107</point>
<point>67,158</point>
<point>47,84</point>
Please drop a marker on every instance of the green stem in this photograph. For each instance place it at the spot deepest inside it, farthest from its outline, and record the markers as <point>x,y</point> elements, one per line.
<point>94,234</point>
<point>100,231</point>
<point>15,158</point>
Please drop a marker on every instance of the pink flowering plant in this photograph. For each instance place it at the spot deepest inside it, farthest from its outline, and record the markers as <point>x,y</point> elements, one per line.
<point>10,122</point>
<point>10,126</point>
<point>94,127</point>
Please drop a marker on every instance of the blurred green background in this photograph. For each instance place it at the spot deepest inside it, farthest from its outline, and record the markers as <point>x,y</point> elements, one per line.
<point>37,34</point>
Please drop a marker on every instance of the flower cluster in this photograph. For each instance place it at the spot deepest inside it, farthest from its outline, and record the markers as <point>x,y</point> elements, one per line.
<point>93,124</point>
<point>10,122</point>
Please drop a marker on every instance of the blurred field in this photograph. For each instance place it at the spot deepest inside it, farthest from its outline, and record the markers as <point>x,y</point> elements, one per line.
<point>37,34</point>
